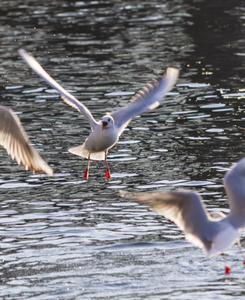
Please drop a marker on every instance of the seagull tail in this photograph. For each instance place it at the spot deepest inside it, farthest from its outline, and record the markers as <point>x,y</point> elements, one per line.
<point>83,152</point>
<point>80,151</point>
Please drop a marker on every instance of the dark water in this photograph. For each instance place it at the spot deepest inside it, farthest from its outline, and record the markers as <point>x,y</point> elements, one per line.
<point>66,238</point>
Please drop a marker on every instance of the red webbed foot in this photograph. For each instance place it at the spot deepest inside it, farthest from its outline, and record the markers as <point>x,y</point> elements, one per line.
<point>227,270</point>
<point>107,174</point>
<point>85,175</point>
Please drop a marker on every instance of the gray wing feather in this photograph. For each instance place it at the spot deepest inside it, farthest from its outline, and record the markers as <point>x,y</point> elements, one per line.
<point>234,182</point>
<point>66,96</point>
<point>146,98</point>
<point>184,208</point>
<point>14,139</point>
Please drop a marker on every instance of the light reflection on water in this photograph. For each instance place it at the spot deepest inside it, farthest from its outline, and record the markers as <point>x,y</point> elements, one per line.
<point>66,238</point>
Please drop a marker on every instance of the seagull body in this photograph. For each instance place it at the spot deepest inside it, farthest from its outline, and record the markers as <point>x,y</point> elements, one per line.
<point>106,132</point>
<point>14,139</point>
<point>185,209</point>
<point>98,141</point>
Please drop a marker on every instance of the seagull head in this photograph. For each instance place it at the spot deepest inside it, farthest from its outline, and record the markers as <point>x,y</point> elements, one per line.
<point>107,122</point>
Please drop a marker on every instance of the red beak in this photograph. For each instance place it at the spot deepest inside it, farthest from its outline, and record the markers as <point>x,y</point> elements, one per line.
<point>104,124</point>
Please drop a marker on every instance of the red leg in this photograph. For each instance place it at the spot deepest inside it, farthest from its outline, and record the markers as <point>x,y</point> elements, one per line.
<point>227,269</point>
<point>107,174</point>
<point>86,174</point>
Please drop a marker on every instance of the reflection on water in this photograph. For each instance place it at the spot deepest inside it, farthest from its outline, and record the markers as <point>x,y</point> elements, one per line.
<point>66,238</point>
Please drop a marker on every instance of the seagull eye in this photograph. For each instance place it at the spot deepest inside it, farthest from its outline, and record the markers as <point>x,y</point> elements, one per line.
<point>109,120</point>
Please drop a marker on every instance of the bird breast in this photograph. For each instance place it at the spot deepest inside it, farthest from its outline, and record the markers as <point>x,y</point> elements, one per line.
<point>101,140</point>
<point>227,236</point>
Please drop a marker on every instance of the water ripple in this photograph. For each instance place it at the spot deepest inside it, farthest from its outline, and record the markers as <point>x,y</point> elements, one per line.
<point>69,238</point>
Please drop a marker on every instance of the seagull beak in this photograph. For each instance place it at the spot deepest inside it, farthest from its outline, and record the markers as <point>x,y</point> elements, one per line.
<point>104,124</point>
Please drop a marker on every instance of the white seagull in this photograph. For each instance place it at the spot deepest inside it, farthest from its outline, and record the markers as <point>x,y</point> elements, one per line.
<point>14,139</point>
<point>106,132</point>
<point>213,234</point>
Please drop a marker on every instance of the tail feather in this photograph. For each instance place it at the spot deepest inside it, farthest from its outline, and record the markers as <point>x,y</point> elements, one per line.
<point>83,152</point>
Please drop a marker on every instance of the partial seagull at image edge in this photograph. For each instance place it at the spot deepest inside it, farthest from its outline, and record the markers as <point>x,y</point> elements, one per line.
<point>212,232</point>
<point>14,139</point>
<point>106,132</point>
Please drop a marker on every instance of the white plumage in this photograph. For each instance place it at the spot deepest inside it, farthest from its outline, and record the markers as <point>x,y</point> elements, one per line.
<point>15,140</point>
<point>106,132</point>
<point>213,233</point>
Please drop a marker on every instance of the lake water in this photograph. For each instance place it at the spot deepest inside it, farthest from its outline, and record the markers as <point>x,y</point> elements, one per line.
<point>68,238</point>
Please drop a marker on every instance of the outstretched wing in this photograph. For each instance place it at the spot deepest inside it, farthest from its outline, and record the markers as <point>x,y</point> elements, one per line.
<point>14,139</point>
<point>146,98</point>
<point>184,208</point>
<point>66,96</point>
<point>234,182</point>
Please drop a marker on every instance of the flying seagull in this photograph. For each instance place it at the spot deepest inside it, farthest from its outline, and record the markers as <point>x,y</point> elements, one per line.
<point>213,234</point>
<point>106,132</point>
<point>14,139</point>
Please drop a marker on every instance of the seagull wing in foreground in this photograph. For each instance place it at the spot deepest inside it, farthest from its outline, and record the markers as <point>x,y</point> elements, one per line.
<point>66,96</point>
<point>184,208</point>
<point>14,139</point>
<point>234,182</point>
<point>146,98</point>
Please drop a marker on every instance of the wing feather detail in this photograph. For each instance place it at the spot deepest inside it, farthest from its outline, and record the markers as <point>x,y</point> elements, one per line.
<point>14,139</point>
<point>148,97</point>
<point>66,96</point>
<point>184,208</point>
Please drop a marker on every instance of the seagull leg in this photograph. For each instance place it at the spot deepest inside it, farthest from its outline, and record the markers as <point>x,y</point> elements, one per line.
<point>227,269</point>
<point>107,174</point>
<point>240,248</point>
<point>86,174</point>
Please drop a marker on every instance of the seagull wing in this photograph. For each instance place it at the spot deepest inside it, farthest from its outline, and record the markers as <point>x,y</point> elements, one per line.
<point>234,182</point>
<point>66,96</point>
<point>146,98</point>
<point>14,139</point>
<point>184,208</point>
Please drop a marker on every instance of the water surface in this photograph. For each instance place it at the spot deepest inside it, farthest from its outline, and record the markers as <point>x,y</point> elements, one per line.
<point>67,238</point>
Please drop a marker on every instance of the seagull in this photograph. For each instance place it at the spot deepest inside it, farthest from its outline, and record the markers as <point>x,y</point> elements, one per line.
<point>106,132</point>
<point>14,139</point>
<point>212,233</point>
